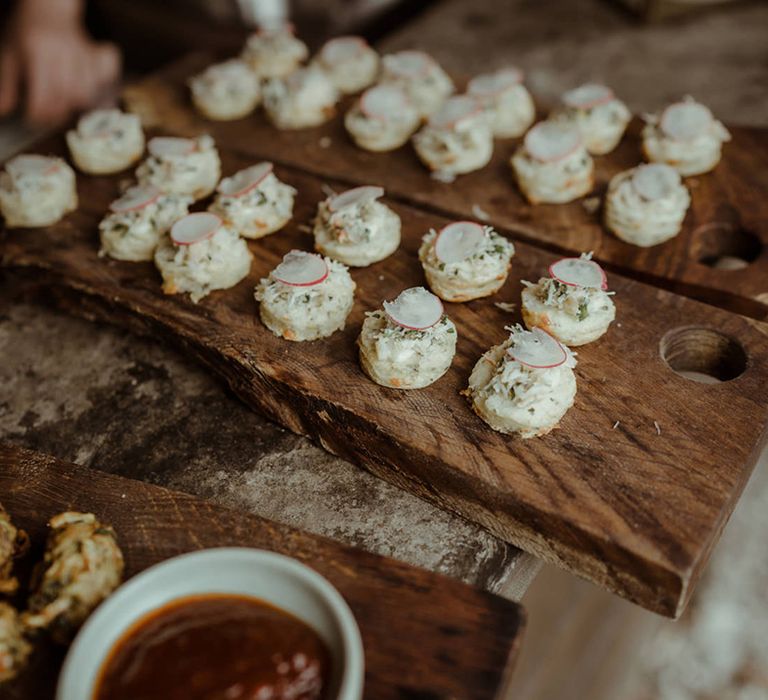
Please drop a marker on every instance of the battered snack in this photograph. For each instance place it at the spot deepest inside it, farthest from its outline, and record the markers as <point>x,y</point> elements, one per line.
<point>355,228</point>
<point>254,202</point>
<point>572,304</point>
<point>350,63</point>
<point>303,99</point>
<point>36,191</point>
<point>686,136</point>
<point>82,566</point>
<point>552,165</point>
<point>422,79</point>
<point>465,261</point>
<point>646,205</point>
<point>202,255</point>
<point>137,222</point>
<point>457,139</point>
<point>13,542</point>
<point>305,297</point>
<point>106,141</point>
<point>506,100</point>
<point>525,385</point>
<point>226,91</point>
<point>383,119</point>
<point>597,113</point>
<point>410,343</point>
<point>14,648</point>
<point>181,166</point>
<point>274,52</point>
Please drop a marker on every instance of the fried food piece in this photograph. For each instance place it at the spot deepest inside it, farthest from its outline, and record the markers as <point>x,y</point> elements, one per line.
<point>14,648</point>
<point>82,566</point>
<point>12,543</point>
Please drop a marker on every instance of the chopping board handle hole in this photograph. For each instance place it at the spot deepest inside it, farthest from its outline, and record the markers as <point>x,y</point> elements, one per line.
<point>725,245</point>
<point>703,354</point>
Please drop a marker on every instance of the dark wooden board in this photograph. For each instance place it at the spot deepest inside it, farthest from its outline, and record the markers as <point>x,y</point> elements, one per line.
<point>728,215</point>
<point>425,635</point>
<point>631,509</point>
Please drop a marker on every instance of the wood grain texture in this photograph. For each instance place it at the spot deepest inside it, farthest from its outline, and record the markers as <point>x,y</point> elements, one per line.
<point>425,636</point>
<point>728,214</point>
<point>632,509</point>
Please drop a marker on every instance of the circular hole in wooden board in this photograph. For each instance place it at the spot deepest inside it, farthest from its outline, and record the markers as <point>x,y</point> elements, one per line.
<point>725,246</point>
<point>703,354</point>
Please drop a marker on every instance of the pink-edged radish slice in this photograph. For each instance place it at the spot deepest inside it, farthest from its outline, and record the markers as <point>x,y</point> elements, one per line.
<point>384,102</point>
<point>100,123</point>
<point>588,96</point>
<point>342,48</point>
<point>455,111</point>
<point>355,197</point>
<point>170,146</point>
<point>194,228</point>
<point>415,309</point>
<point>245,180</point>
<point>684,121</point>
<point>410,64</point>
<point>491,84</point>
<point>577,272</point>
<point>301,269</point>
<point>135,198</point>
<point>655,180</point>
<point>537,349</point>
<point>458,241</point>
<point>32,164</point>
<point>550,141</point>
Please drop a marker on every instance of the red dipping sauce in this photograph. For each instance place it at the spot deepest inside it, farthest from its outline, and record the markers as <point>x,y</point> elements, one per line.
<point>217,647</point>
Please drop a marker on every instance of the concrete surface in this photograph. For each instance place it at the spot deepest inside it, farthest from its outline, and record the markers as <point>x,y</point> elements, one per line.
<point>102,398</point>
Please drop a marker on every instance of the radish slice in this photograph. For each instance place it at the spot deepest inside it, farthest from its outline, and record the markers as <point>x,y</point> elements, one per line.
<point>342,48</point>
<point>356,196</point>
<point>684,121</point>
<point>457,241</point>
<point>301,269</point>
<point>100,123</point>
<point>587,96</point>
<point>134,198</point>
<point>410,64</point>
<point>577,272</point>
<point>170,146</point>
<point>454,111</point>
<point>537,349</point>
<point>415,309</point>
<point>384,101</point>
<point>32,164</point>
<point>655,180</point>
<point>194,228</point>
<point>550,141</point>
<point>492,84</point>
<point>245,180</point>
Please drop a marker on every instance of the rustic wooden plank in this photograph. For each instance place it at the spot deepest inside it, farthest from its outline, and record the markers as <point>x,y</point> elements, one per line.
<point>425,635</point>
<point>727,215</point>
<point>634,508</point>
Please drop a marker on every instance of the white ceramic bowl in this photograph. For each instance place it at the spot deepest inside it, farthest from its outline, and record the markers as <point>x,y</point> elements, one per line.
<point>279,580</point>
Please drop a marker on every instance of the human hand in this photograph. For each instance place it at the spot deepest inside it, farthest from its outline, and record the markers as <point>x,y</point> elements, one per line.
<point>48,58</point>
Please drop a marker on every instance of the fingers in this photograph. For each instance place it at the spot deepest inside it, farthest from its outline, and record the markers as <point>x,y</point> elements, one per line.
<point>106,68</point>
<point>46,96</point>
<point>9,80</point>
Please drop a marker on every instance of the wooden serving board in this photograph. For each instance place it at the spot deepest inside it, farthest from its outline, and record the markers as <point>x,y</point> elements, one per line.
<point>728,214</point>
<point>609,495</point>
<point>425,635</point>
